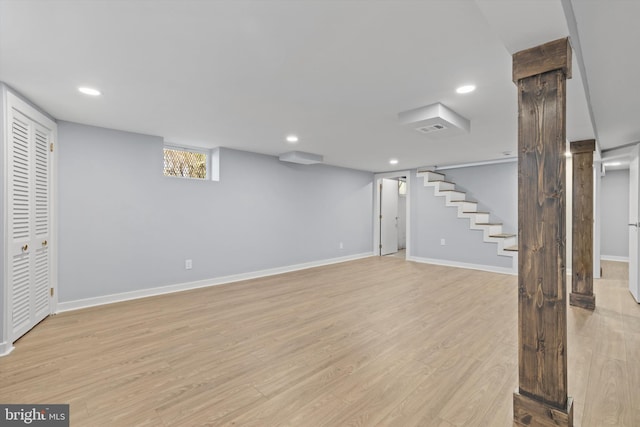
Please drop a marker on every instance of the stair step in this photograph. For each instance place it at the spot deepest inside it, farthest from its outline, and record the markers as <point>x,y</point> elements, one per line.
<point>476,218</point>
<point>488,223</point>
<point>513,248</point>
<point>453,195</point>
<point>492,229</point>
<point>432,176</point>
<point>445,185</point>
<point>465,205</point>
<point>477,212</point>
<point>502,235</point>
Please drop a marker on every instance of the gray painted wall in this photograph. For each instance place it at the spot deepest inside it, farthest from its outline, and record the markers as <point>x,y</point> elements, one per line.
<point>614,214</point>
<point>493,186</point>
<point>123,226</point>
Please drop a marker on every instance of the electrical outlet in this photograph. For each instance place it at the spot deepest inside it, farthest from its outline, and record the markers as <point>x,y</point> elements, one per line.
<point>442,242</point>
<point>341,245</point>
<point>188,264</point>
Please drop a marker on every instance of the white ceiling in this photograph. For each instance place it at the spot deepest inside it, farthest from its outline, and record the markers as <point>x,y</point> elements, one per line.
<point>244,74</point>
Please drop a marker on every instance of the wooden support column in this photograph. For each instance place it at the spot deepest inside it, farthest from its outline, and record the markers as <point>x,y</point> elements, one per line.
<point>582,247</point>
<point>540,74</point>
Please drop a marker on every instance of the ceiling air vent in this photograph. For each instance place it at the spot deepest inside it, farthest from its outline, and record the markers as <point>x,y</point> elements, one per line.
<point>431,128</point>
<point>436,121</point>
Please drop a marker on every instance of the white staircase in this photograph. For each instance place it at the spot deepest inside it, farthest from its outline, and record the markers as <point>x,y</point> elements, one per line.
<point>492,232</point>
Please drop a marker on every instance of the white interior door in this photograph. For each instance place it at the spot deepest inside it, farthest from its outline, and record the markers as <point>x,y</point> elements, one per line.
<point>634,223</point>
<point>28,220</point>
<point>388,216</point>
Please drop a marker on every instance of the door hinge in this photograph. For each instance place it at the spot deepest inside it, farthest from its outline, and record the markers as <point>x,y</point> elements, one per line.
<point>51,147</point>
<point>380,216</point>
<point>51,290</point>
<point>380,246</point>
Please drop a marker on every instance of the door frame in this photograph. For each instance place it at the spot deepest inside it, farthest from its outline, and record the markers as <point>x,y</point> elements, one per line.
<point>377,179</point>
<point>597,220</point>
<point>626,154</point>
<point>634,212</point>
<point>10,101</point>
<point>389,231</point>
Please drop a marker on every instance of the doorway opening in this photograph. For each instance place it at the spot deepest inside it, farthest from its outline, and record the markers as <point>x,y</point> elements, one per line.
<point>391,215</point>
<point>628,157</point>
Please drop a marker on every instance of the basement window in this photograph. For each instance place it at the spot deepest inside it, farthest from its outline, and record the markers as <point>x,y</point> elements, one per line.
<point>402,187</point>
<point>186,162</point>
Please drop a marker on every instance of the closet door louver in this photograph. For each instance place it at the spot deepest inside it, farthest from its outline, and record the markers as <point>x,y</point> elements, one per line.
<point>29,222</point>
<point>41,175</point>
<point>20,155</point>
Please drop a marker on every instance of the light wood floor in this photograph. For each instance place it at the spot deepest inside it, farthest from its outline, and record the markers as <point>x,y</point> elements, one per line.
<point>374,342</point>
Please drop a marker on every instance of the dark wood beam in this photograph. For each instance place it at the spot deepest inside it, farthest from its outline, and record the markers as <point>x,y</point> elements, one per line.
<point>540,75</point>
<point>582,214</point>
<point>555,55</point>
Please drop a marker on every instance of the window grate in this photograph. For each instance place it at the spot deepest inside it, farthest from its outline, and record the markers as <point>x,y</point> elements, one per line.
<point>185,163</point>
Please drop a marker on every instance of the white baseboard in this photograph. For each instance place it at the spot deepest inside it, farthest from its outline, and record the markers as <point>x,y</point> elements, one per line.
<point>614,258</point>
<point>143,293</point>
<point>447,263</point>
<point>5,348</point>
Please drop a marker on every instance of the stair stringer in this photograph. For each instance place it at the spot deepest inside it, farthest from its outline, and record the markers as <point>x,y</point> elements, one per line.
<point>491,233</point>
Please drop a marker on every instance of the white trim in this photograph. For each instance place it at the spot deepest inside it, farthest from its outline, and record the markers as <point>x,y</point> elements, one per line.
<point>161,290</point>
<point>614,258</point>
<point>377,178</point>
<point>597,221</point>
<point>447,263</point>
<point>53,206</point>
<point>5,348</point>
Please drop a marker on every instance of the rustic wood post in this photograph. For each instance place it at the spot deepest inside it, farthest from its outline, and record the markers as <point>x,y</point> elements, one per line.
<point>582,247</point>
<point>540,74</point>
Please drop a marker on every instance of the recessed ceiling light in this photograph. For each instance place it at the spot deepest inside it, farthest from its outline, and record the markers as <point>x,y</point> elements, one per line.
<point>393,161</point>
<point>292,139</point>
<point>613,164</point>
<point>466,89</point>
<point>89,91</point>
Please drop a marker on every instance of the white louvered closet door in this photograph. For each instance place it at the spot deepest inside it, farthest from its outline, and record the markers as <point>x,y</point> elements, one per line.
<point>29,221</point>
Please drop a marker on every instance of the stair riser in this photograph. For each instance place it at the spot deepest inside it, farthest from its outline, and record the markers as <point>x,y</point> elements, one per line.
<point>480,218</point>
<point>510,241</point>
<point>453,196</point>
<point>432,176</point>
<point>493,229</point>
<point>465,207</point>
<point>442,186</point>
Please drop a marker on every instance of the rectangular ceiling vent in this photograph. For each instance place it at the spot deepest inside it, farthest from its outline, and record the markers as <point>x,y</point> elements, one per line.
<point>431,128</point>
<point>435,121</point>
